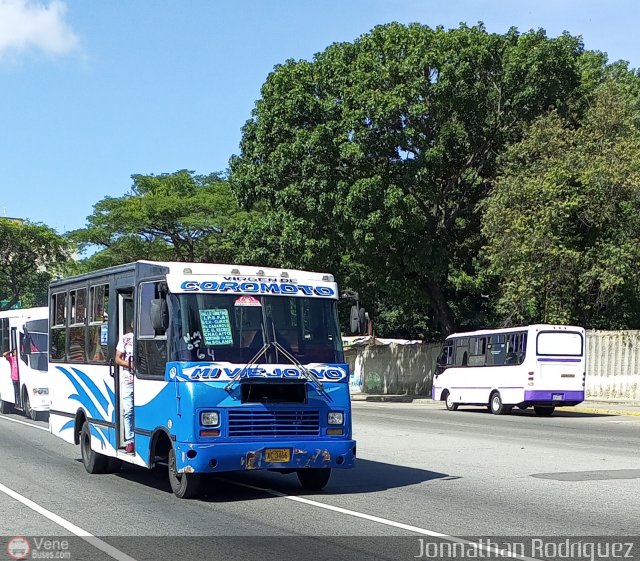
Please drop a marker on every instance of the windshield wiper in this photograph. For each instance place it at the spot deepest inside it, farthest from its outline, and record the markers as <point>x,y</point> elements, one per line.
<point>253,361</point>
<point>310,376</point>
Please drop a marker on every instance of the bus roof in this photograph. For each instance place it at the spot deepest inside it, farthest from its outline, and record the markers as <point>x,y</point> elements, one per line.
<point>26,313</point>
<point>184,268</point>
<point>528,328</point>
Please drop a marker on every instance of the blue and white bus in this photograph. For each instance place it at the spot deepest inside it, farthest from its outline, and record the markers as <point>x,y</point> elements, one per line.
<point>25,331</point>
<point>235,368</point>
<point>539,366</point>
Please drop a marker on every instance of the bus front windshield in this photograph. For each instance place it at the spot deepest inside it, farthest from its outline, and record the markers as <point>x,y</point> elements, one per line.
<point>232,328</point>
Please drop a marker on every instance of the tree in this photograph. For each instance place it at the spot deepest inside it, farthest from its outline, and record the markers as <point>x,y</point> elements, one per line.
<point>562,224</point>
<point>377,152</point>
<point>30,255</point>
<point>179,216</point>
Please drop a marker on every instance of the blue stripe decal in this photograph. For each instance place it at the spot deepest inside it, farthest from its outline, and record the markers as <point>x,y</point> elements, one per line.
<point>68,425</point>
<point>101,399</point>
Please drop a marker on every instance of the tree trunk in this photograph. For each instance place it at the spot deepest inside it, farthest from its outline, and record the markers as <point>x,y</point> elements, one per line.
<point>440,307</point>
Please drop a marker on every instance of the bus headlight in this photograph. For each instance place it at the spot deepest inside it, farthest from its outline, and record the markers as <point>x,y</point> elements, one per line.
<point>40,391</point>
<point>335,418</point>
<point>210,418</point>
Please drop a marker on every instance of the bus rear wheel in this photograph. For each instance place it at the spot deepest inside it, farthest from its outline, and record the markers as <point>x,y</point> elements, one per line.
<point>313,479</point>
<point>544,410</point>
<point>183,485</point>
<point>496,406</point>
<point>448,402</point>
<point>93,462</point>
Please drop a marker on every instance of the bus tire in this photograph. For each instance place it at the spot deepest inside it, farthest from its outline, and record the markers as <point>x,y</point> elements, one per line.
<point>26,404</point>
<point>183,485</point>
<point>448,402</point>
<point>93,462</point>
<point>544,410</point>
<point>313,479</point>
<point>495,404</point>
<point>5,407</point>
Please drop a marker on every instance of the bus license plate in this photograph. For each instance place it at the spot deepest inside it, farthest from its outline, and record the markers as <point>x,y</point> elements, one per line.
<point>557,397</point>
<point>277,455</point>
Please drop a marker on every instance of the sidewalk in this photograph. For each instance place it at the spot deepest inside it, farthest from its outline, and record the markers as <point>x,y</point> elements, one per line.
<point>595,407</point>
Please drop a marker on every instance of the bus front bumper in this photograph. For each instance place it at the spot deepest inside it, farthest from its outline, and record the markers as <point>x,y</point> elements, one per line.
<point>282,455</point>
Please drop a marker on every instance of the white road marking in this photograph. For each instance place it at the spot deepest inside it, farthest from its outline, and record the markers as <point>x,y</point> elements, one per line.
<point>75,530</point>
<point>386,522</point>
<point>5,418</point>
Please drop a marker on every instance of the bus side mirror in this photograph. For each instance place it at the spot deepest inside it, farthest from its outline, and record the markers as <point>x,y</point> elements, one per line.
<point>159,314</point>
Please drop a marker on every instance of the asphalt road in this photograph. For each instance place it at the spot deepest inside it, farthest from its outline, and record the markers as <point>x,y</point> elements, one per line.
<point>422,471</point>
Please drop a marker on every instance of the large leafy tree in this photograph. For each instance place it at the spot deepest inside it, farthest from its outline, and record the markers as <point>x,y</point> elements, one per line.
<point>177,216</point>
<point>563,224</point>
<point>371,159</point>
<point>30,255</point>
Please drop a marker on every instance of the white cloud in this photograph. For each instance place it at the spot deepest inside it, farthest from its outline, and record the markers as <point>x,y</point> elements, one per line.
<point>25,25</point>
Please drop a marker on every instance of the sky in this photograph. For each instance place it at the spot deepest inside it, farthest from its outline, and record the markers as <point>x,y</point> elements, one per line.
<point>92,92</point>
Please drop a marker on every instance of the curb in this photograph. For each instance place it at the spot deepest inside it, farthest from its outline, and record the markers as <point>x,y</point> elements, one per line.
<point>384,398</point>
<point>599,411</point>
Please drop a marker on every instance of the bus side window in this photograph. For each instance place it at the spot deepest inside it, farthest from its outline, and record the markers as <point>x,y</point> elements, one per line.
<point>446,357</point>
<point>462,352</point>
<point>478,351</point>
<point>151,344</point>
<point>496,350</point>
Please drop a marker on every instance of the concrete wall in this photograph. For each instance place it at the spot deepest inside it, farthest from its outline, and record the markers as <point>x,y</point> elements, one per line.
<point>613,367</point>
<point>393,369</point>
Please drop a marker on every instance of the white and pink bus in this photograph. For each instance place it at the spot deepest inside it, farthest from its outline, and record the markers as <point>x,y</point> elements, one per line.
<point>539,366</point>
<point>26,331</point>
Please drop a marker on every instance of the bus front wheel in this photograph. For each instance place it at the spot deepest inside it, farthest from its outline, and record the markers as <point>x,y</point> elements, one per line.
<point>93,462</point>
<point>183,485</point>
<point>544,410</point>
<point>496,406</point>
<point>314,479</point>
<point>449,404</point>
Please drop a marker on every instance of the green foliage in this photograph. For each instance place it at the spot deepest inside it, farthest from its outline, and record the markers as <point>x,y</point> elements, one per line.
<point>370,160</point>
<point>170,217</point>
<point>563,224</point>
<point>30,255</point>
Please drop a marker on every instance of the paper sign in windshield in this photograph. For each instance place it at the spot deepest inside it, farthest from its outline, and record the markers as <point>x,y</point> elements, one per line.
<point>216,327</point>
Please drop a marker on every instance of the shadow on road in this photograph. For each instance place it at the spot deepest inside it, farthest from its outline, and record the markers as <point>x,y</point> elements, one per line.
<point>367,477</point>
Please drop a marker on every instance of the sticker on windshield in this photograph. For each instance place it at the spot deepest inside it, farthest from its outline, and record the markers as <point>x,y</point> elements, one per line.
<point>216,327</point>
<point>247,301</point>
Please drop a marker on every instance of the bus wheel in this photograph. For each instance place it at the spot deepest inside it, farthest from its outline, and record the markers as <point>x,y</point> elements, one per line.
<point>93,462</point>
<point>26,405</point>
<point>183,485</point>
<point>544,410</point>
<point>495,404</point>
<point>313,479</point>
<point>5,407</point>
<point>449,404</point>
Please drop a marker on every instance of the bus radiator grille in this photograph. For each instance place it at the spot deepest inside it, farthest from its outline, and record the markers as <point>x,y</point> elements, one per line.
<point>250,423</point>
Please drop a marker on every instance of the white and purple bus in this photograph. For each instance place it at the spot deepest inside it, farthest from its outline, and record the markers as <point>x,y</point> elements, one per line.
<point>539,366</point>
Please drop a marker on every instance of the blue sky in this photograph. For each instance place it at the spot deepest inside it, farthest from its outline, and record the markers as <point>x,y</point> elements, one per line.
<point>92,92</point>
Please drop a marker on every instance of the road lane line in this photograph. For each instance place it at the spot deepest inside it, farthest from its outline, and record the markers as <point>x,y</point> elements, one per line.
<point>5,418</point>
<point>69,526</point>
<point>387,522</point>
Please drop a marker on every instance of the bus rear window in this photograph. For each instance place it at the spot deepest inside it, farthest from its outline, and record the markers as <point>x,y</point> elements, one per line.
<point>559,343</point>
